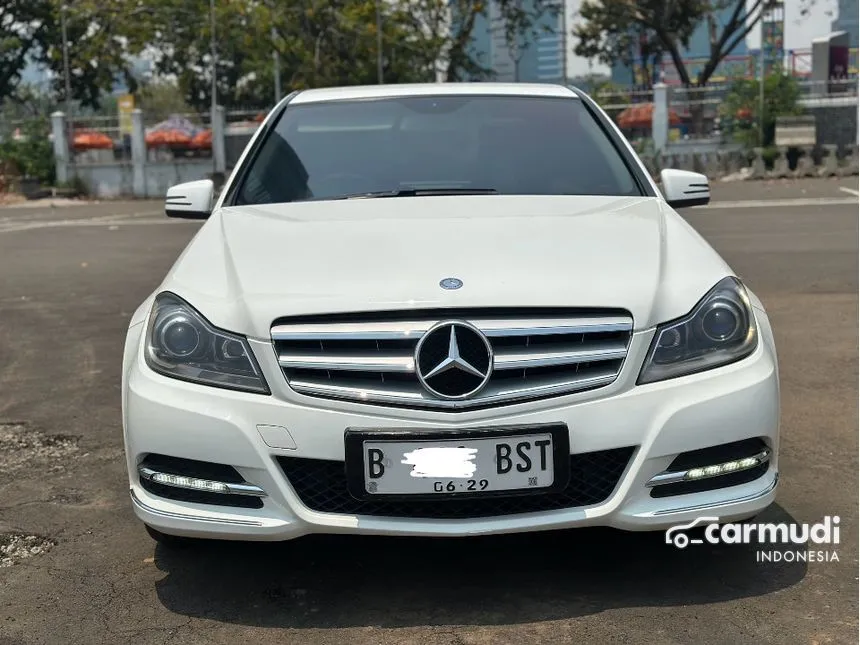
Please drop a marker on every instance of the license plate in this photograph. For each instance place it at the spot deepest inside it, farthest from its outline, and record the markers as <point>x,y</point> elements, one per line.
<point>438,464</point>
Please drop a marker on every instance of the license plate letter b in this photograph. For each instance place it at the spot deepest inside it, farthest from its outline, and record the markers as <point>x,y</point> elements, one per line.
<point>375,463</point>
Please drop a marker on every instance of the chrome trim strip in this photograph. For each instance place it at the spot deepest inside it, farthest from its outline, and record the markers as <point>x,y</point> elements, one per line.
<point>545,326</point>
<point>413,329</point>
<point>738,500</point>
<point>419,397</point>
<point>678,476</point>
<point>232,489</point>
<point>365,363</point>
<point>522,358</point>
<point>182,516</point>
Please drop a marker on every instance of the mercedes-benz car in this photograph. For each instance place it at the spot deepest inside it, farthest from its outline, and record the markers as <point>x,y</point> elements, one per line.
<point>445,310</point>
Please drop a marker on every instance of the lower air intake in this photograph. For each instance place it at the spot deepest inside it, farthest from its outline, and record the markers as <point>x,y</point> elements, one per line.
<point>321,485</point>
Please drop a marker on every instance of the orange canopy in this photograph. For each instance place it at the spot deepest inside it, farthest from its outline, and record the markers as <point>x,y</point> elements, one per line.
<point>168,138</point>
<point>92,140</point>
<point>640,115</point>
<point>202,139</point>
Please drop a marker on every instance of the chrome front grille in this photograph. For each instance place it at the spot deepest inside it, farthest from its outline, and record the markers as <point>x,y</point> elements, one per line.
<point>371,359</point>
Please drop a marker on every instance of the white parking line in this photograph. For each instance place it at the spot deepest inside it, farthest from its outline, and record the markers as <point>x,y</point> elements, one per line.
<point>850,191</point>
<point>771,203</point>
<point>12,225</point>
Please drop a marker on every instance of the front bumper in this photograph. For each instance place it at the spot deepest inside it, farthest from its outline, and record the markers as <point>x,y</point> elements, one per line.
<point>168,417</point>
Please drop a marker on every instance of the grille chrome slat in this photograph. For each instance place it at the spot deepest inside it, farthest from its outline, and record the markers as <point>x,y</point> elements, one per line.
<point>520,358</point>
<point>545,327</point>
<point>414,329</point>
<point>403,363</point>
<point>372,359</point>
<point>402,394</point>
<point>533,357</point>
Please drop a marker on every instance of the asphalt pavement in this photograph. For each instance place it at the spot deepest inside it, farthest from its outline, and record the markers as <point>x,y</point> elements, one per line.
<point>77,567</point>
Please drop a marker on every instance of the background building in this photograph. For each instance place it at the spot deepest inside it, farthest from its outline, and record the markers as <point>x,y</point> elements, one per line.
<point>847,20</point>
<point>540,52</point>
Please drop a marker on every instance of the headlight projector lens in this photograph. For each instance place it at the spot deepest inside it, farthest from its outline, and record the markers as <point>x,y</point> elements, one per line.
<point>721,322</point>
<point>179,337</point>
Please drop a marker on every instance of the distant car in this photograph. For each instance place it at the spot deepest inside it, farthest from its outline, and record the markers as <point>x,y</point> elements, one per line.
<point>448,310</point>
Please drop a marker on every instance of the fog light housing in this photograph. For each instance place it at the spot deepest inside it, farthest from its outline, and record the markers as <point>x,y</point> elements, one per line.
<point>712,470</point>
<point>181,481</point>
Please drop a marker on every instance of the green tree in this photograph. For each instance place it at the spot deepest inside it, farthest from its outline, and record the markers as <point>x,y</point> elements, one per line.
<point>30,155</point>
<point>26,26</point>
<point>160,99</point>
<point>742,107</point>
<point>98,44</point>
<point>608,25</point>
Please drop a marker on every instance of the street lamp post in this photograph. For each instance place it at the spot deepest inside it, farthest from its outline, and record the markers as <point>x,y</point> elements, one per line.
<point>379,77</point>
<point>276,58</point>
<point>761,89</point>
<point>214,54</point>
<point>68,83</point>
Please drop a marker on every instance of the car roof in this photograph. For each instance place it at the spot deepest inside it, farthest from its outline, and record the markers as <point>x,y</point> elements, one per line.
<point>432,89</point>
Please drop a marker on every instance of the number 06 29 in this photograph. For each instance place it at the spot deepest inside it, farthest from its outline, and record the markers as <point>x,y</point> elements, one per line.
<point>451,486</point>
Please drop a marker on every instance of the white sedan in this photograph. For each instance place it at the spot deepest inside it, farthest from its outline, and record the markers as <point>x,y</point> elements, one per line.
<point>447,310</point>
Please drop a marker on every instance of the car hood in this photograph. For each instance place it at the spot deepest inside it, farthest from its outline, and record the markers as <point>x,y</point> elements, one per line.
<point>250,265</point>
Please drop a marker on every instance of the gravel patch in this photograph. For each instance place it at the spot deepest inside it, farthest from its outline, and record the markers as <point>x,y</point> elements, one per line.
<point>21,446</point>
<point>15,547</point>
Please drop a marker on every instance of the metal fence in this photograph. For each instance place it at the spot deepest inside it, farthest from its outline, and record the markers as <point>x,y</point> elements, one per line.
<point>701,104</point>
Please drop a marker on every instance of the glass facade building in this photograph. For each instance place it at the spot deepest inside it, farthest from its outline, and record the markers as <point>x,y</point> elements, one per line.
<point>536,57</point>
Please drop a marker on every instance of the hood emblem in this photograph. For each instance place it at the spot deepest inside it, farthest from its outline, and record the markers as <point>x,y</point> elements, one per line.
<point>453,360</point>
<point>450,283</point>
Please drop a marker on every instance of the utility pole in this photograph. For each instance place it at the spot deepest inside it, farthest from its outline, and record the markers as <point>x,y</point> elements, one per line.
<point>761,89</point>
<point>379,77</point>
<point>70,128</point>
<point>214,54</point>
<point>767,13</point>
<point>564,42</point>
<point>276,57</point>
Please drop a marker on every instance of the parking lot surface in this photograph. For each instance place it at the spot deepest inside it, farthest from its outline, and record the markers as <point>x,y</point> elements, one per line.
<point>77,567</point>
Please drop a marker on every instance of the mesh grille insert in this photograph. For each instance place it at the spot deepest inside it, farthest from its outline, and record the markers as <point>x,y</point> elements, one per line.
<point>322,486</point>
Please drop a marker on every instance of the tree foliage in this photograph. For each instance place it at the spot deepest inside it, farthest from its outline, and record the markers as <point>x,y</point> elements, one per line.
<point>29,154</point>
<point>318,43</point>
<point>743,108</point>
<point>610,27</point>
<point>98,44</point>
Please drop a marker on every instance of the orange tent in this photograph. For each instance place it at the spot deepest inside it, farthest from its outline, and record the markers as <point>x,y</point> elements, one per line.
<point>92,140</point>
<point>639,116</point>
<point>202,139</point>
<point>167,138</point>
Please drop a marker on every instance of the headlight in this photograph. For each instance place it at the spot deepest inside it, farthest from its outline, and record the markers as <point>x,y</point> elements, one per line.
<point>182,344</point>
<point>720,330</point>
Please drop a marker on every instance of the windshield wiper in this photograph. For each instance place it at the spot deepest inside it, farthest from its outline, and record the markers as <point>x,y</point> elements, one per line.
<point>421,192</point>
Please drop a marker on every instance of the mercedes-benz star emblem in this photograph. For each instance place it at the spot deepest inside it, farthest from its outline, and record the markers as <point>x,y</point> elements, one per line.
<point>453,360</point>
<point>451,283</point>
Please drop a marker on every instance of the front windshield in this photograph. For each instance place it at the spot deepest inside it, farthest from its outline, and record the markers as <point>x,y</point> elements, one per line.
<point>506,145</point>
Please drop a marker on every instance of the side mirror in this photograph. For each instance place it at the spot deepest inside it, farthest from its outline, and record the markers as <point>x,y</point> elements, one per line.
<point>191,200</point>
<point>682,188</point>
